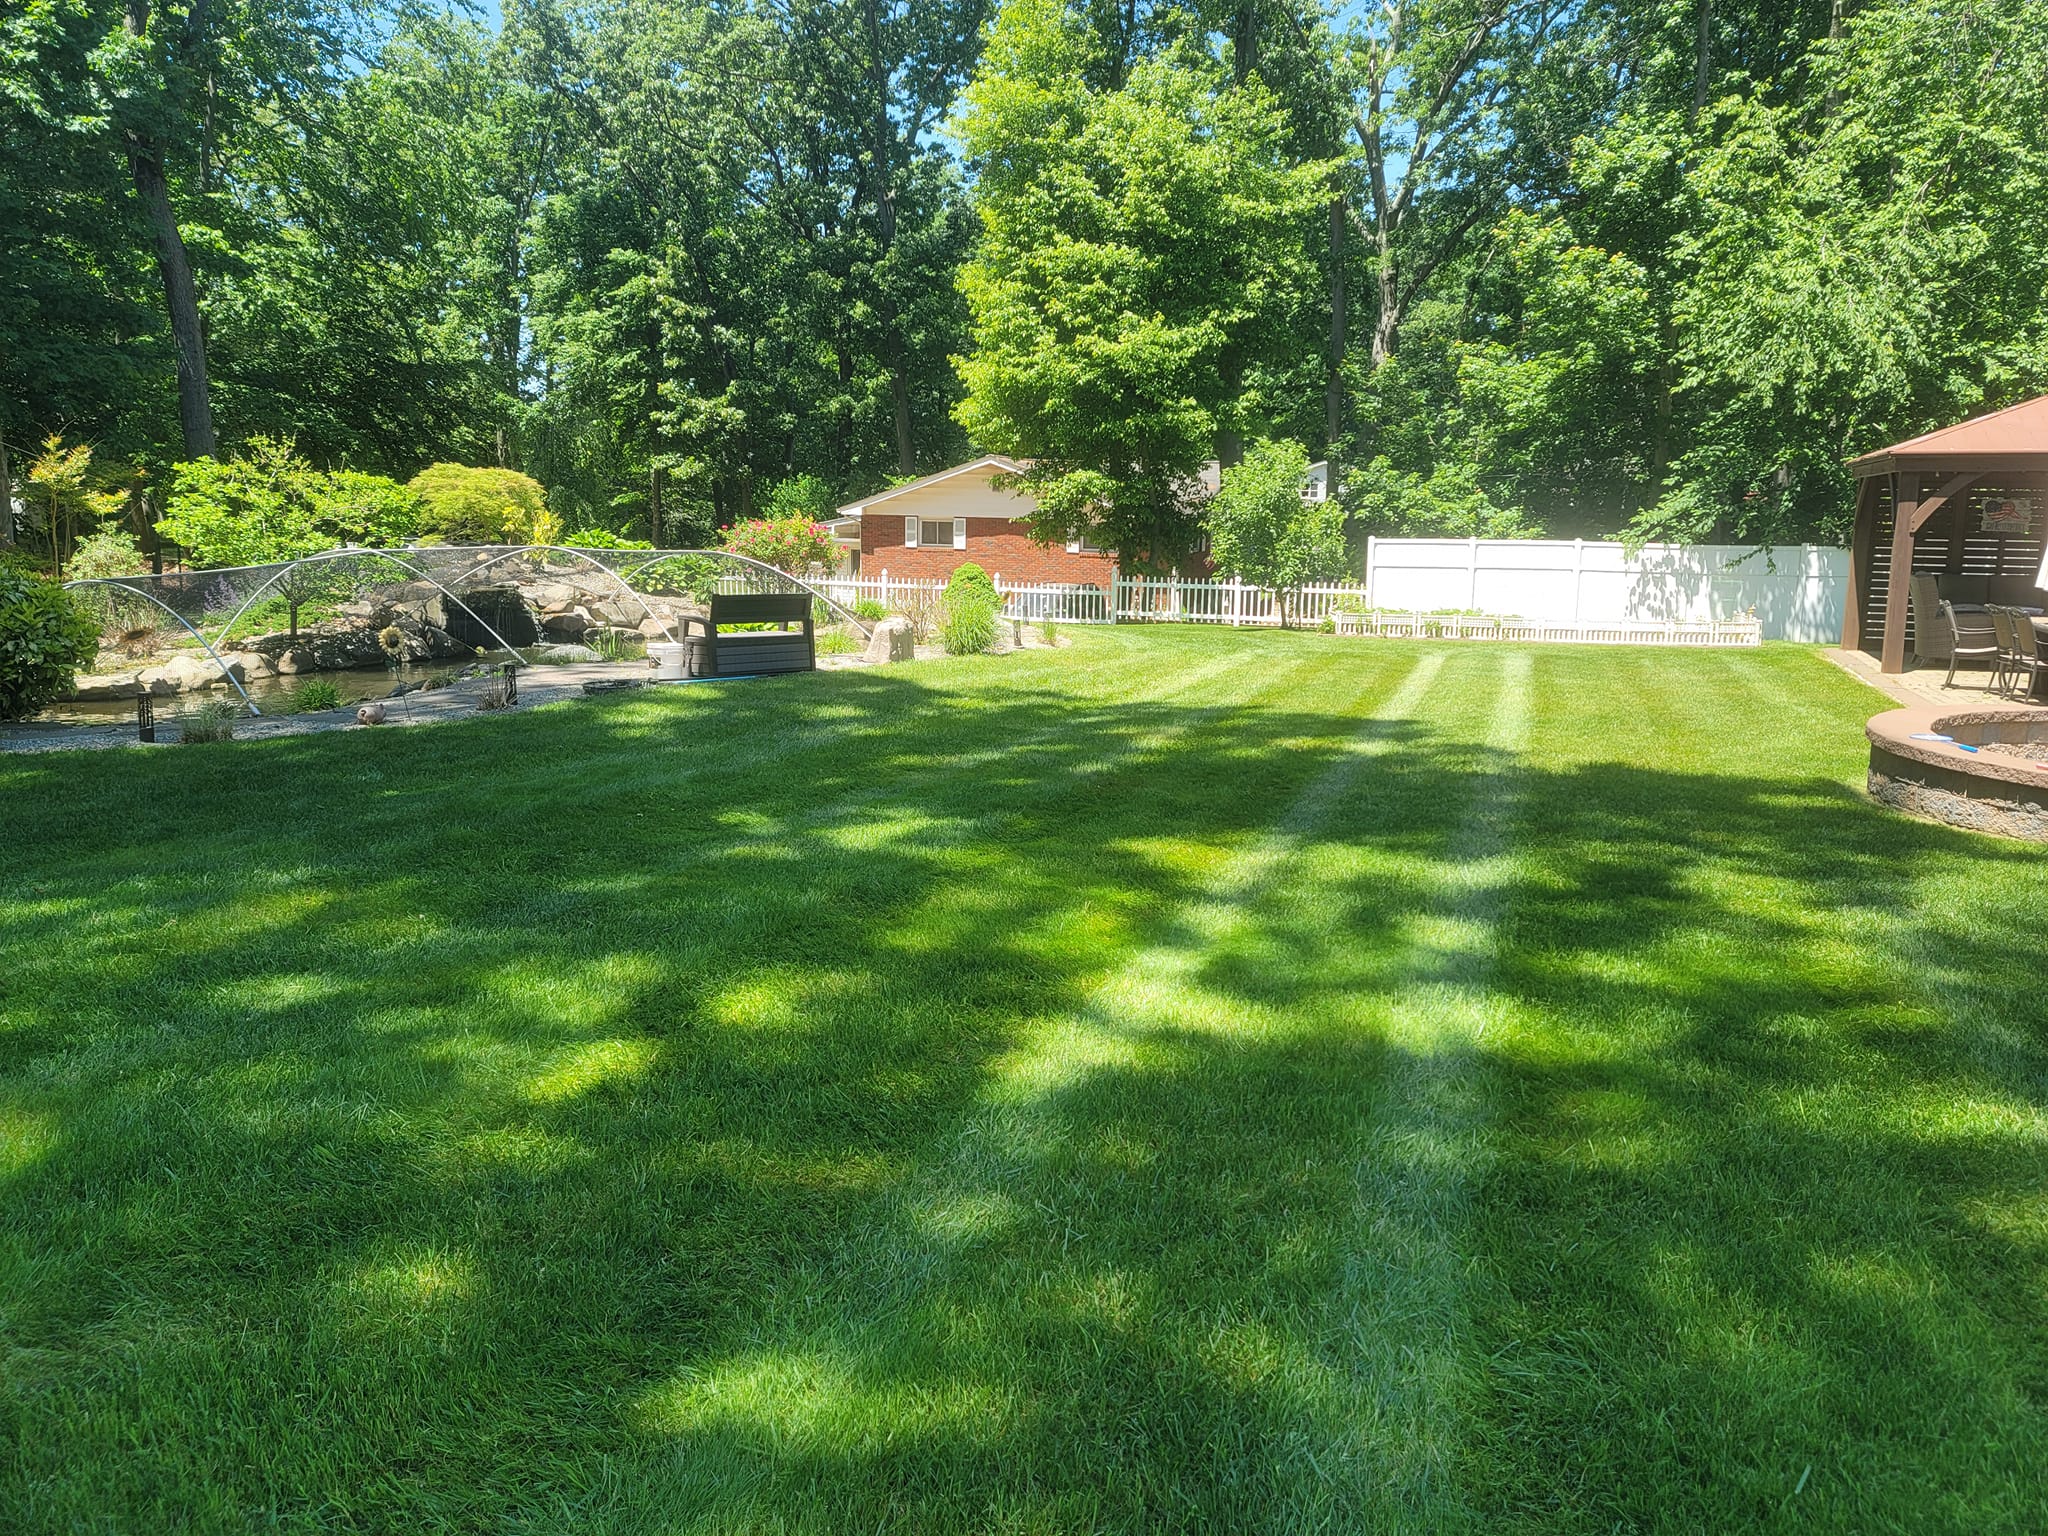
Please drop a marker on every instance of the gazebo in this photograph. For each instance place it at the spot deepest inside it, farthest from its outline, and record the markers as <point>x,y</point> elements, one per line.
<point>1955,514</point>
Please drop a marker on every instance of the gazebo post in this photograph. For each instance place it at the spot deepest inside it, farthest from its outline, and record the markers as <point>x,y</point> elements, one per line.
<point>1862,539</point>
<point>1898,585</point>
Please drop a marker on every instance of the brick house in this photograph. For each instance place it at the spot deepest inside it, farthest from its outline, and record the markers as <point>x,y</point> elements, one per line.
<point>922,530</point>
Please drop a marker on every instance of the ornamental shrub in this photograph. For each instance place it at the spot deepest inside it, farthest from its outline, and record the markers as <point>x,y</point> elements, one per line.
<point>45,638</point>
<point>796,545</point>
<point>104,554</point>
<point>485,506</point>
<point>968,610</point>
<point>869,609</point>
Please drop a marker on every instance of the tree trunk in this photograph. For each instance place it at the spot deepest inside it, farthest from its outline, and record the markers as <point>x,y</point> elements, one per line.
<point>181,297</point>
<point>899,393</point>
<point>1702,59</point>
<point>1386,325</point>
<point>654,504</point>
<point>1333,390</point>
<point>6,497</point>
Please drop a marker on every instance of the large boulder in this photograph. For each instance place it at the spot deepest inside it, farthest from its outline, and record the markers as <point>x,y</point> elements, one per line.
<point>183,674</point>
<point>893,640</point>
<point>570,621</point>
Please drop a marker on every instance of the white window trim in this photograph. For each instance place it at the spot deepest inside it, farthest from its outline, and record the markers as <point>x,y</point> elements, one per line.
<point>959,533</point>
<point>910,533</point>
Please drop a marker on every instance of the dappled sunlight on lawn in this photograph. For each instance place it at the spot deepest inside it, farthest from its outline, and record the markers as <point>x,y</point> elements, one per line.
<point>1182,1080</point>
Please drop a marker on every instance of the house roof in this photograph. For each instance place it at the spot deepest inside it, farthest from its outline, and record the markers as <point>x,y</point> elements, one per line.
<point>994,461</point>
<point>2014,438</point>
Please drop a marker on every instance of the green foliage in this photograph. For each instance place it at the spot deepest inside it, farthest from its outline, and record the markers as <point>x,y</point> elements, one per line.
<point>1138,245</point>
<point>601,538</point>
<point>45,639</point>
<point>466,505</point>
<point>611,645</point>
<point>803,496</point>
<point>1448,503</point>
<point>968,610</point>
<point>369,510</point>
<point>213,720</point>
<point>103,554</point>
<point>796,545</point>
<point>270,504</point>
<point>1262,531</point>
<point>870,609</point>
<point>693,576</point>
<point>314,695</point>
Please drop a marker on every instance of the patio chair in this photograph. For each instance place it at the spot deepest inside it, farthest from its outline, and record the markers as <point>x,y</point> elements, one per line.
<point>2005,624</point>
<point>1972,639</point>
<point>2027,656</point>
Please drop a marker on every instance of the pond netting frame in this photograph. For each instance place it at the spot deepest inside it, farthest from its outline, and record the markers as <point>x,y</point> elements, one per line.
<point>208,605</point>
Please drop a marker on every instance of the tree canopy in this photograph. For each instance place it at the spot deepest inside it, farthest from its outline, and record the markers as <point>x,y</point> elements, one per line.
<point>1642,268</point>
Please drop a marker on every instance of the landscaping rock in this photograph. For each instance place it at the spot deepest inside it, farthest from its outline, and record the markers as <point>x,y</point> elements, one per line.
<point>565,654</point>
<point>892,641</point>
<point>570,621</point>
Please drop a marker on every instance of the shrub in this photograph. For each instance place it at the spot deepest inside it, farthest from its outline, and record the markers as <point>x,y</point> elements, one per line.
<point>270,504</point>
<point>485,506</point>
<point>792,544</point>
<point>45,637</point>
<point>869,610</point>
<point>1049,632</point>
<point>602,538</point>
<point>211,721</point>
<point>693,576</point>
<point>837,642</point>
<point>615,645</point>
<point>100,555</point>
<point>920,605</point>
<point>968,610</point>
<point>314,695</point>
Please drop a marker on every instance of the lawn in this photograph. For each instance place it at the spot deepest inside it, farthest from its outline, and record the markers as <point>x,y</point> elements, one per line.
<point>1187,1081</point>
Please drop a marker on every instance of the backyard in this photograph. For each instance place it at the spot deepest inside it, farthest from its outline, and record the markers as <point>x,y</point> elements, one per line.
<point>1188,1079</point>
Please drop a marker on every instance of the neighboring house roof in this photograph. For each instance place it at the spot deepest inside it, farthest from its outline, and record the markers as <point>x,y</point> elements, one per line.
<point>844,525</point>
<point>996,461</point>
<point>2017,432</point>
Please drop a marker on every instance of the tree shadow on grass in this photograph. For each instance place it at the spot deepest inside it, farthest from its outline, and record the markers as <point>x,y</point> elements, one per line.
<point>460,1151</point>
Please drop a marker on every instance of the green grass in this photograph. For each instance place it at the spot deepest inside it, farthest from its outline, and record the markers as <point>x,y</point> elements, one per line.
<point>1181,1081</point>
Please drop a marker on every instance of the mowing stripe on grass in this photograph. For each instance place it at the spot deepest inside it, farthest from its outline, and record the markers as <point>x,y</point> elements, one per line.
<point>859,1306</point>
<point>1404,1310</point>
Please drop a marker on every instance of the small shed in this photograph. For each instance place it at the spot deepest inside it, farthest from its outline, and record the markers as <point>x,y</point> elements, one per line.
<point>1954,514</point>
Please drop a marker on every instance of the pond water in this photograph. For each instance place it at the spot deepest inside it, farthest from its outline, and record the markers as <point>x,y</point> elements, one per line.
<point>272,695</point>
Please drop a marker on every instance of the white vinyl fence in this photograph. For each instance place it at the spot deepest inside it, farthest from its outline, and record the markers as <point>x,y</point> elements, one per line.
<point>1797,591</point>
<point>1553,588</point>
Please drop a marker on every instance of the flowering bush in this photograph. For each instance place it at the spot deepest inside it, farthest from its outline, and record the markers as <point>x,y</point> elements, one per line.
<point>796,545</point>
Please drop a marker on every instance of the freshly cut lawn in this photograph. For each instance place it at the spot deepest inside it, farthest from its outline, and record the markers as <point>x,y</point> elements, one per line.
<point>1190,1081</point>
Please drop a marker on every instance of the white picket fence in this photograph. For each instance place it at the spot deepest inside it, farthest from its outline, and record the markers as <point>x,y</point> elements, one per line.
<point>1548,589</point>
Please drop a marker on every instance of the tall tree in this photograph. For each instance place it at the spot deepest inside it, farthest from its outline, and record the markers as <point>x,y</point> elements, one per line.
<point>1133,241</point>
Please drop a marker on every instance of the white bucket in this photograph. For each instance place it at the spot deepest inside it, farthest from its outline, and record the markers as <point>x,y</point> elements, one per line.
<point>668,662</point>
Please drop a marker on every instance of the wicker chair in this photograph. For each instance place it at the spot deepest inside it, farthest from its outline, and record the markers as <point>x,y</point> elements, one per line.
<point>1972,638</point>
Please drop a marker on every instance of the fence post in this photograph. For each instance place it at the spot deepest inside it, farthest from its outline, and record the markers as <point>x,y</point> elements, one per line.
<point>1472,572</point>
<point>1371,548</point>
<point>1578,575</point>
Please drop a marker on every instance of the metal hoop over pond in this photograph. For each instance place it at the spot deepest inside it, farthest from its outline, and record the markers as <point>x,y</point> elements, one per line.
<point>195,599</point>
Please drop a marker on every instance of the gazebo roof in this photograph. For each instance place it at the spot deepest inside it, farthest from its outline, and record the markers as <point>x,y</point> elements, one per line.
<point>2014,438</point>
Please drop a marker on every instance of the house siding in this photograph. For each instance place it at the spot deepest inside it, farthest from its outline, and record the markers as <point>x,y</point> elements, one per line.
<point>996,540</point>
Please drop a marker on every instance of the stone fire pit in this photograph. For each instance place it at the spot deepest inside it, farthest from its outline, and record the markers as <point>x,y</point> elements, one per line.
<point>1997,788</point>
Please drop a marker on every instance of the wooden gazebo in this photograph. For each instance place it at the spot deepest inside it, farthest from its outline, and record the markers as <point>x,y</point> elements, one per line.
<point>1962,509</point>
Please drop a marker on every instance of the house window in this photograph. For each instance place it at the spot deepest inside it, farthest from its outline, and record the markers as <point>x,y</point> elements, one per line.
<point>936,533</point>
<point>1086,545</point>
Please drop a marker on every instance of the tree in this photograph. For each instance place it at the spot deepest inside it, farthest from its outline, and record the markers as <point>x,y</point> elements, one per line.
<point>1262,530</point>
<point>59,486</point>
<point>1131,240</point>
